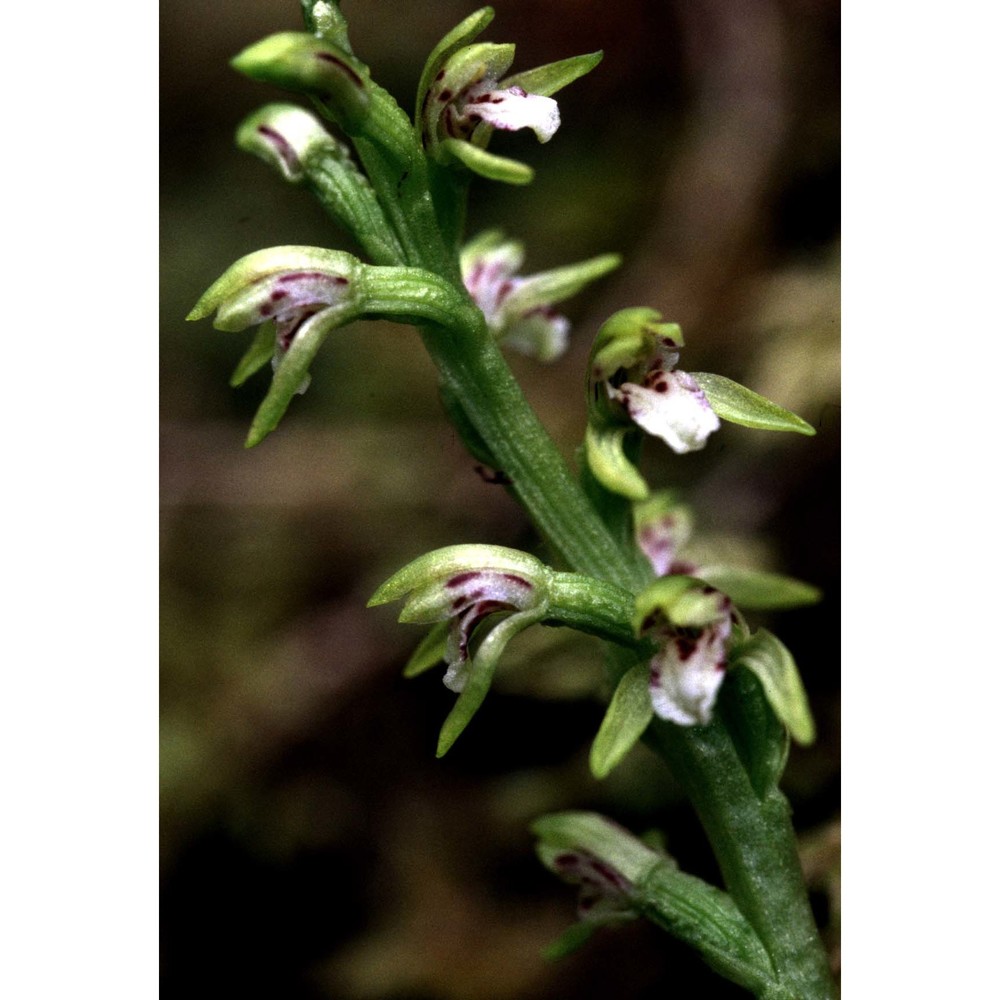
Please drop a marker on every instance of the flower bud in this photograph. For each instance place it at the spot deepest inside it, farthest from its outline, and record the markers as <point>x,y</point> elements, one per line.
<point>284,136</point>
<point>469,586</point>
<point>309,65</point>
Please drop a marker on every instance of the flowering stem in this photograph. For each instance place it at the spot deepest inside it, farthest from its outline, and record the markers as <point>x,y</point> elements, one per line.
<point>410,221</point>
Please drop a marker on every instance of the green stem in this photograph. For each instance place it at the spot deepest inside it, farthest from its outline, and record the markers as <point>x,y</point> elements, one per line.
<point>475,372</point>
<point>755,846</point>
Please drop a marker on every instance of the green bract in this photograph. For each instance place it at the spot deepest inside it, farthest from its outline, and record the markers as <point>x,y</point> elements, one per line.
<point>739,405</point>
<point>628,714</point>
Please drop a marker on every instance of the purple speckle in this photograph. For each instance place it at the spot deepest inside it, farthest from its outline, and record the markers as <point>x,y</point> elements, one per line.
<point>341,65</point>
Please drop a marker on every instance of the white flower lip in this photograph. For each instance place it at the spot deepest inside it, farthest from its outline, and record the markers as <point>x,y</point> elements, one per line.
<point>511,109</point>
<point>689,667</point>
<point>669,404</point>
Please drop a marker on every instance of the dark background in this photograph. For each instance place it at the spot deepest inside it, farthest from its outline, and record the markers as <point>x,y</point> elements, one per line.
<point>311,844</point>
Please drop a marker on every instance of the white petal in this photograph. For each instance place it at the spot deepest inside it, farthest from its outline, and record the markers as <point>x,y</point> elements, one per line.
<point>541,334</point>
<point>671,407</point>
<point>659,539</point>
<point>514,109</point>
<point>685,677</point>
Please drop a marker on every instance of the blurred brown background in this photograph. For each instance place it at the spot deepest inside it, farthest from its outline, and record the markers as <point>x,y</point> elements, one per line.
<point>312,847</point>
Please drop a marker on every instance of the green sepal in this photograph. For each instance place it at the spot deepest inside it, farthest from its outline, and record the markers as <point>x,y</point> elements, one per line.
<point>435,567</point>
<point>571,940</point>
<point>430,652</point>
<point>760,591</point>
<point>549,287</point>
<point>768,657</point>
<point>628,714</point>
<point>605,453</point>
<point>760,738</point>
<point>258,354</point>
<point>627,338</point>
<point>306,64</point>
<point>292,373</point>
<point>740,405</point>
<point>682,599</point>
<point>552,77</point>
<point>489,165</point>
<point>462,34</point>
<point>480,676</point>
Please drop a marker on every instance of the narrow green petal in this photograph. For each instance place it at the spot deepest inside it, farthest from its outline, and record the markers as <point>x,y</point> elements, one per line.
<point>489,165</point>
<point>260,351</point>
<point>740,405</point>
<point>294,369</point>
<point>484,665</point>
<point>430,652</point>
<point>628,715</point>
<point>549,287</point>
<point>607,461</point>
<point>552,77</point>
<point>572,939</point>
<point>461,34</point>
<point>768,657</point>
<point>758,590</point>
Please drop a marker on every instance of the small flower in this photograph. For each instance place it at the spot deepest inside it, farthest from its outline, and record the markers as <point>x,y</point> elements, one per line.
<point>662,528</point>
<point>633,381</point>
<point>305,291</point>
<point>468,91</point>
<point>469,586</point>
<point>507,108</point>
<point>690,622</point>
<point>601,857</point>
<point>519,311</point>
<point>666,403</point>
<point>286,136</point>
<point>605,894</point>
<point>464,94</point>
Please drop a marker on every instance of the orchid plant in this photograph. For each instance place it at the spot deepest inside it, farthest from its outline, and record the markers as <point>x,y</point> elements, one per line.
<point>716,698</point>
